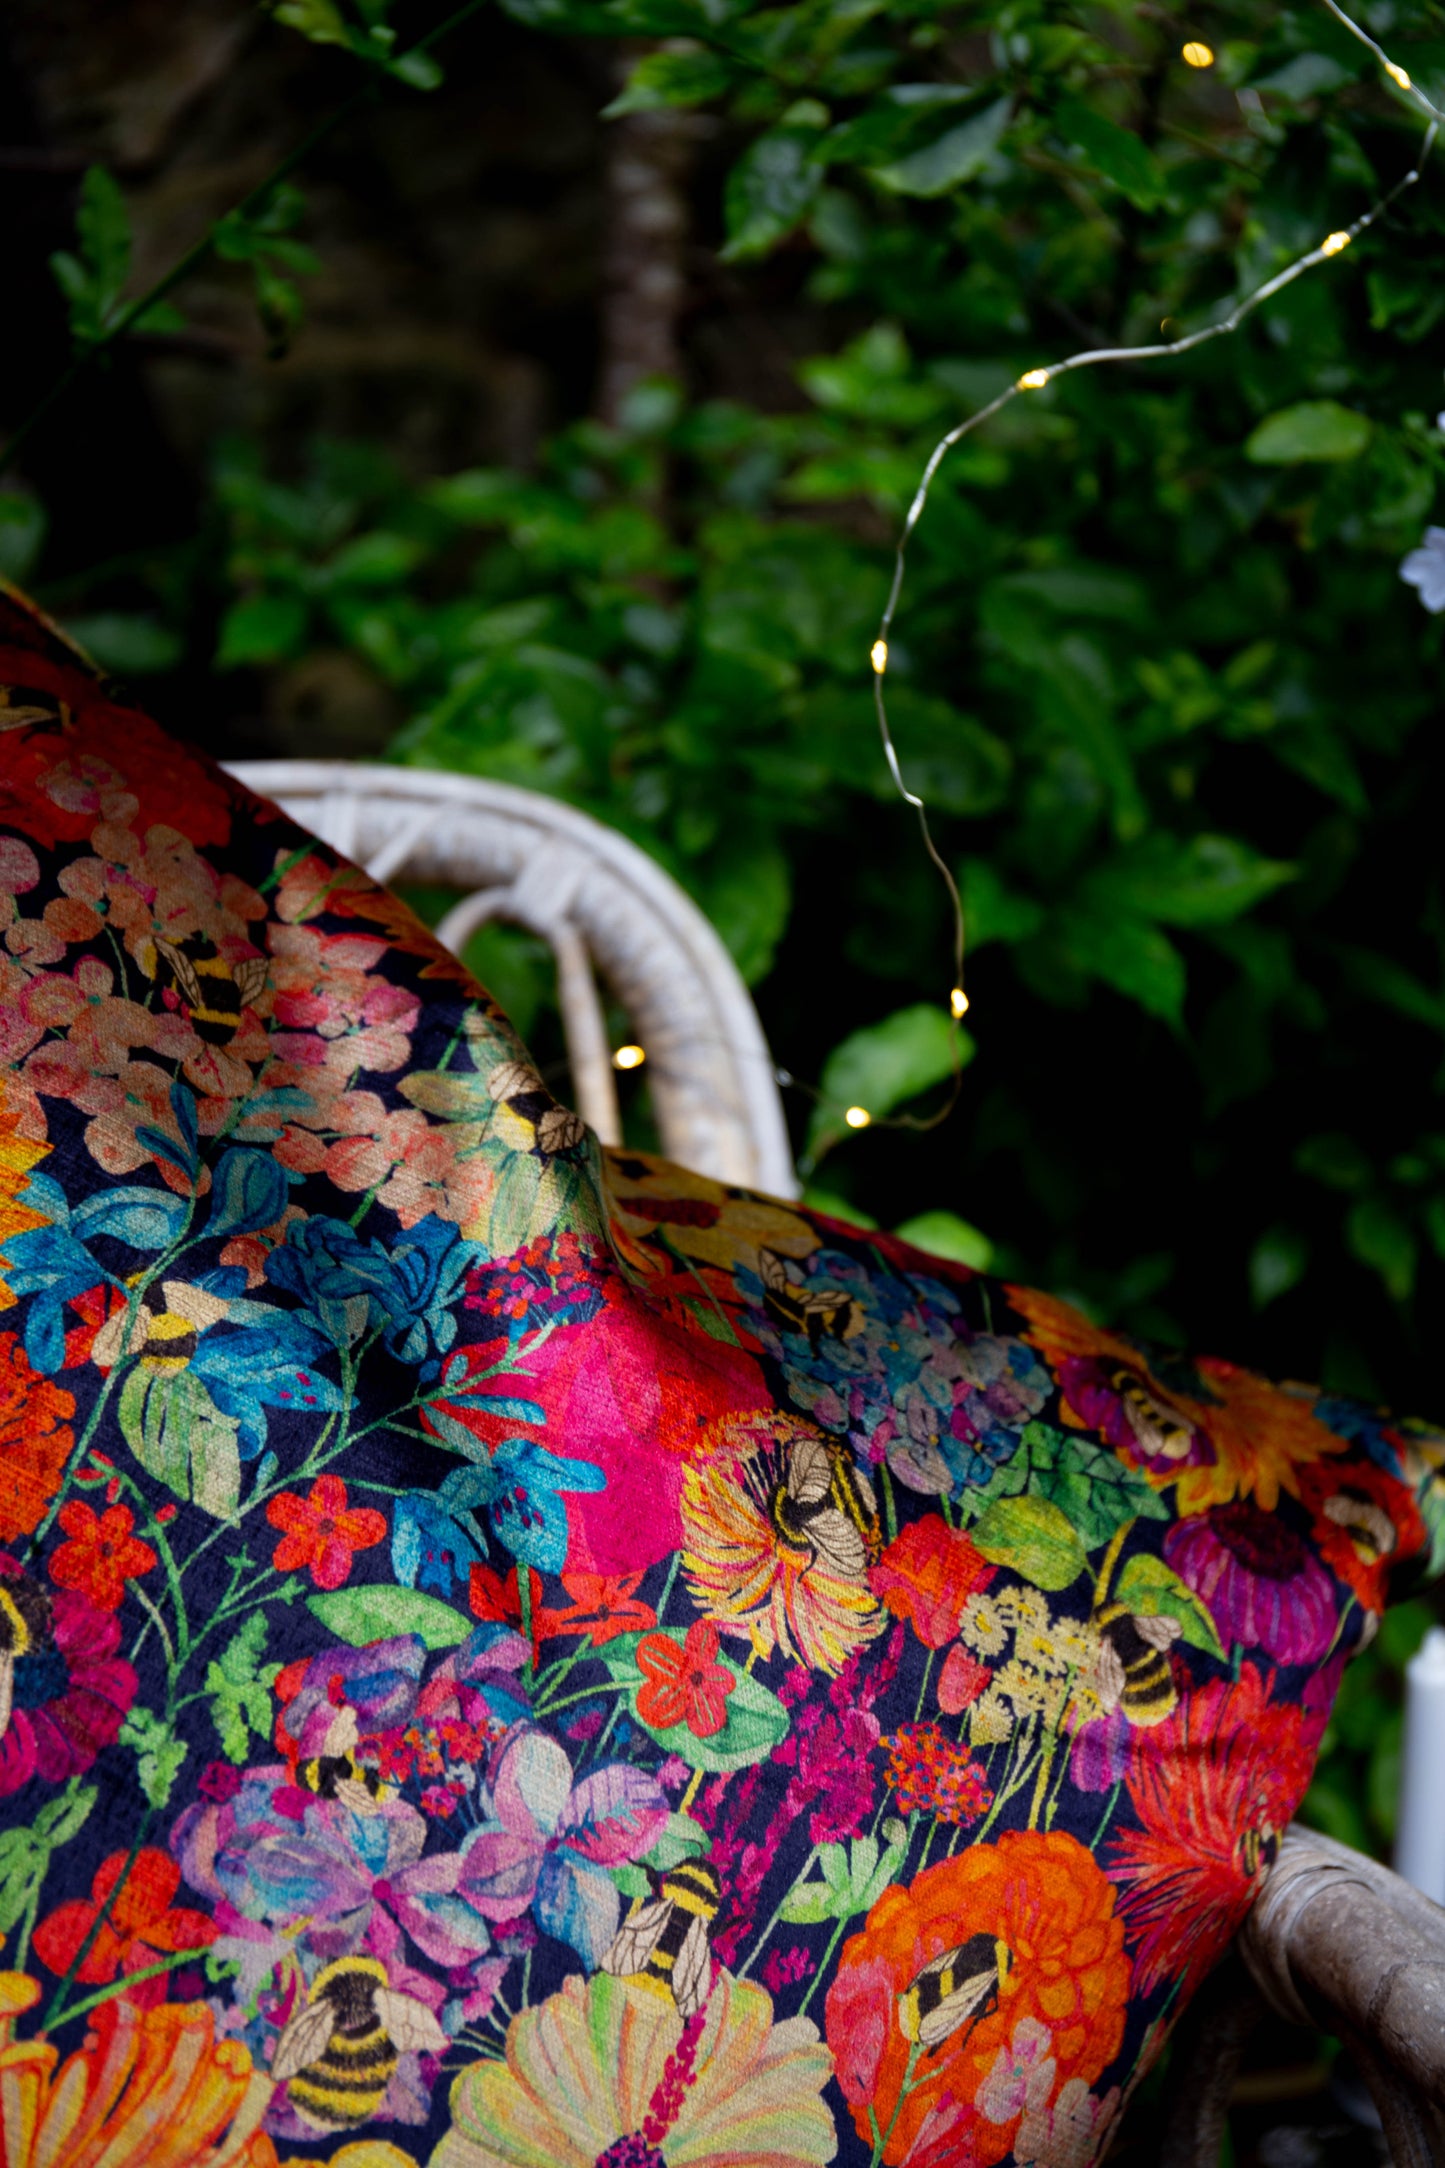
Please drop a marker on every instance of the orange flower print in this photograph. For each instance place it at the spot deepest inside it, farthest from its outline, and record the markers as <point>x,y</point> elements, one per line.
<point>1216,1432</point>
<point>927,1575</point>
<point>35,1440</point>
<point>1035,1909</point>
<point>138,1924</point>
<point>102,1553</point>
<point>145,2089</point>
<point>683,1682</point>
<point>321,1532</point>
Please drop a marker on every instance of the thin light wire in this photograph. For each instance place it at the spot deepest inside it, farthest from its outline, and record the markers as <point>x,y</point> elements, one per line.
<point>1334,244</point>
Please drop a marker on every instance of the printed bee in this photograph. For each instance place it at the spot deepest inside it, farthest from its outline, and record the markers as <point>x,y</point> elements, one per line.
<point>213,990</point>
<point>165,1330</point>
<point>340,2051</point>
<point>1132,1667</point>
<point>553,1130</point>
<point>335,1772</point>
<point>1255,1849</point>
<point>1370,1529</point>
<point>666,1941</point>
<point>1162,1432</point>
<point>954,1990</point>
<point>29,704</point>
<point>823,1313</point>
<point>825,1507</point>
<point>24,1632</point>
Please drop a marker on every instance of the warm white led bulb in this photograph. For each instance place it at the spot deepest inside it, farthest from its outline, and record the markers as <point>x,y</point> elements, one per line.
<point>958,1002</point>
<point>1397,75</point>
<point>878,656</point>
<point>1198,55</point>
<point>629,1057</point>
<point>857,1117</point>
<point>1033,380</point>
<point>1333,243</point>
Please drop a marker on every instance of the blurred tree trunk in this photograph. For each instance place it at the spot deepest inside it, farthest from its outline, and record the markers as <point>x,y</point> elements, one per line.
<point>649,158</point>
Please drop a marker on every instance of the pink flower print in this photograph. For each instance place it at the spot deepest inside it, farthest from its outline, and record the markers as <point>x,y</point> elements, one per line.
<point>1071,2134</point>
<point>1022,2076</point>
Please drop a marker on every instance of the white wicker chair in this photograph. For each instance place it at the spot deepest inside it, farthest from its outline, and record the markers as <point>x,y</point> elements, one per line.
<point>1335,1939</point>
<point>595,899</point>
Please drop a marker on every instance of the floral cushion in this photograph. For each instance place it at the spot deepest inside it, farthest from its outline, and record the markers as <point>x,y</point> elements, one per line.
<point>516,1654</point>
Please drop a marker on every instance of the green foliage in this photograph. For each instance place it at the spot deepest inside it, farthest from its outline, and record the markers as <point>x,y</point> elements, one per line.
<point>239,1687</point>
<point>1173,711</point>
<point>158,1753</point>
<point>265,239</point>
<point>359,27</point>
<point>93,278</point>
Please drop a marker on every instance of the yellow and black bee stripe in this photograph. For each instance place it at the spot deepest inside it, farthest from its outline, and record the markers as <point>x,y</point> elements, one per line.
<point>346,2083</point>
<point>694,1892</point>
<point>24,1616</point>
<point>325,1773</point>
<point>1149,1690</point>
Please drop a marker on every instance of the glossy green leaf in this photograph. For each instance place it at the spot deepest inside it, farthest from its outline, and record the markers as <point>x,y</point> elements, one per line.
<point>672,78</point>
<point>884,1065</point>
<point>756,1719</point>
<point>770,191</point>
<point>1116,152</point>
<point>958,155</point>
<point>944,1234</point>
<point>179,1435</point>
<point>1316,429</point>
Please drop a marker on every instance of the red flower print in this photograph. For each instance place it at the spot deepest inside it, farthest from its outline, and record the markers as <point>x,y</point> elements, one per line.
<point>139,1925</point>
<point>102,1554</point>
<point>35,1440</point>
<point>961,1680</point>
<point>684,1684</point>
<point>1215,1786</point>
<point>927,1574</point>
<point>321,1531</point>
<point>1365,1523</point>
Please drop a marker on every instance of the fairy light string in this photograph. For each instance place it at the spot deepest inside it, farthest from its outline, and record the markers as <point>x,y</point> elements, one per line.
<point>1036,379</point>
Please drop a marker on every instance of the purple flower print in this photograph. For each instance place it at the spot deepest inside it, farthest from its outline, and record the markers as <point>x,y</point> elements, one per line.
<point>548,1842</point>
<point>1262,1584</point>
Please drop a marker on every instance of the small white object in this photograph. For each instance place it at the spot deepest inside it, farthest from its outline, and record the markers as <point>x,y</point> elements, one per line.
<point>1420,1838</point>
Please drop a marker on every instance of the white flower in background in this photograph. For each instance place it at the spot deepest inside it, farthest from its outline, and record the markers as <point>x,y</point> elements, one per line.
<point>1425,568</point>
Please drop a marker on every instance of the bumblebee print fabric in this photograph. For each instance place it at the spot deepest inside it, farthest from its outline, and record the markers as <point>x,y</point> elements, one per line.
<point>516,1656</point>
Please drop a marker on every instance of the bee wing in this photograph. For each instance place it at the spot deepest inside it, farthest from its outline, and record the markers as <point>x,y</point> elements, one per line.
<point>352,1794</point>
<point>865,1490</point>
<point>771,1271</point>
<point>1109,1675</point>
<point>514,1080</point>
<point>342,1732</point>
<point>411,2025</point>
<point>560,1131</point>
<point>184,970</point>
<point>692,1973</point>
<point>956,2009</point>
<point>636,1939</point>
<point>7,1689</point>
<point>838,1543</point>
<point>194,1304</point>
<point>810,1472</point>
<point>1160,1633</point>
<point>250,977</point>
<point>304,2040</point>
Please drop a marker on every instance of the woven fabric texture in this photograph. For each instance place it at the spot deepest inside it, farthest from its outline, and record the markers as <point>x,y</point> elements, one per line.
<point>516,1654</point>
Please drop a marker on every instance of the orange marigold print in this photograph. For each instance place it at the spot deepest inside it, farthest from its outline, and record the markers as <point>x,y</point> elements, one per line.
<point>1216,1432</point>
<point>1033,1965</point>
<point>35,1440</point>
